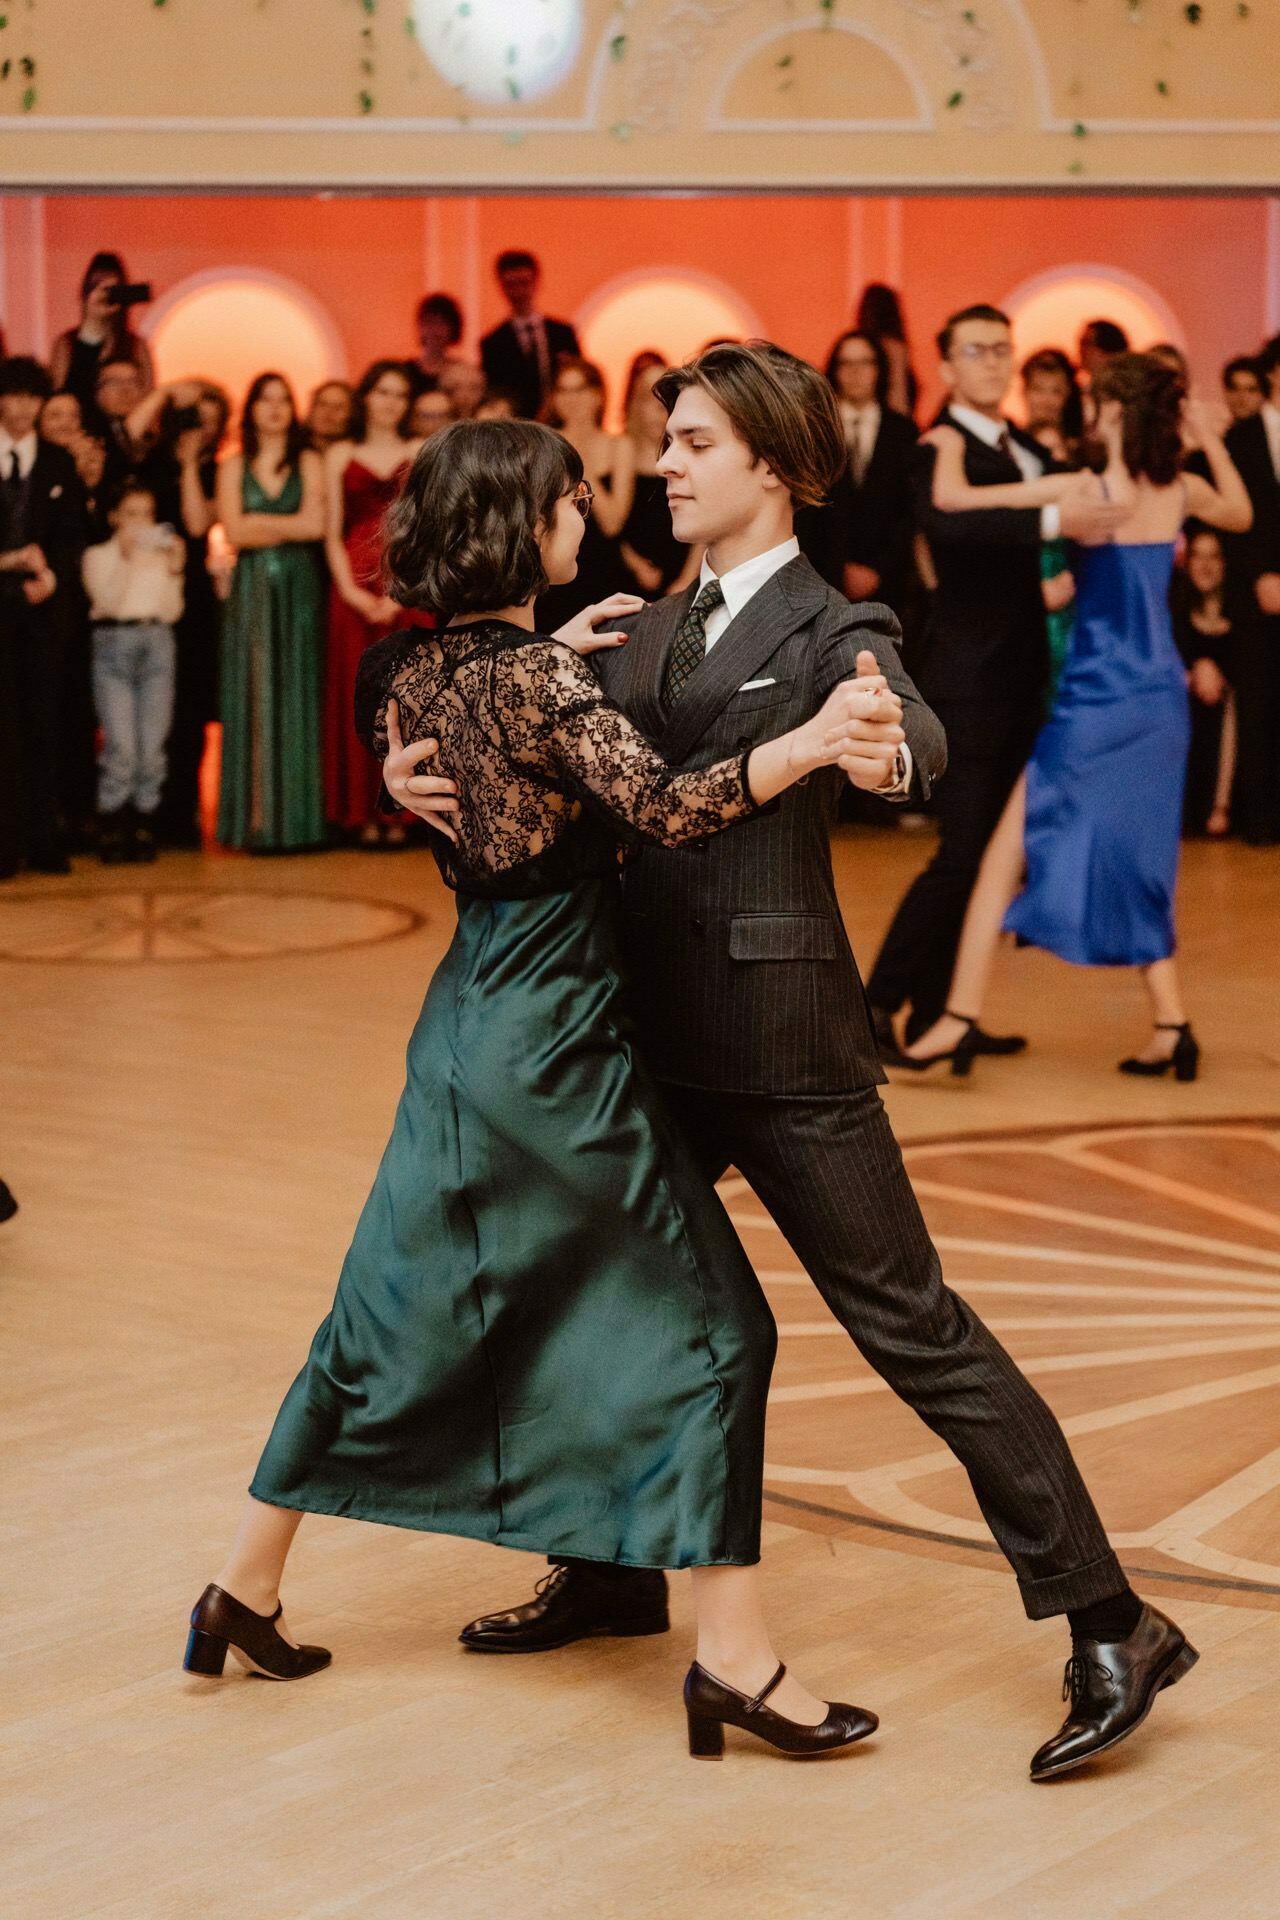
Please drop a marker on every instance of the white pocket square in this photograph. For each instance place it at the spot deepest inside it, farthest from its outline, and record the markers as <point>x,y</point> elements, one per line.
<point>748,686</point>
<point>55,493</point>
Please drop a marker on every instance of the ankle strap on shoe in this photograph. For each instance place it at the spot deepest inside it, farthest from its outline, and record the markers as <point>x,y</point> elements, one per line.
<point>965,1019</point>
<point>765,1691</point>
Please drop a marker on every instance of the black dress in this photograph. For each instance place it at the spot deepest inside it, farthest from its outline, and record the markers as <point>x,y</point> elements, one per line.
<point>648,529</point>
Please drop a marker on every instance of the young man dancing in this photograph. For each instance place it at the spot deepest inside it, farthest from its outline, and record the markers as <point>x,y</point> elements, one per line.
<point>751,1013</point>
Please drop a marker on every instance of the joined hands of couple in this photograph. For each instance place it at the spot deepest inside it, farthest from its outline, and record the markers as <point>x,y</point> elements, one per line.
<point>859,727</point>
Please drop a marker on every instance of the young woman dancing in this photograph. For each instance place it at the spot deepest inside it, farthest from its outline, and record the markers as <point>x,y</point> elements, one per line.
<point>545,1333</point>
<point>1094,823</point>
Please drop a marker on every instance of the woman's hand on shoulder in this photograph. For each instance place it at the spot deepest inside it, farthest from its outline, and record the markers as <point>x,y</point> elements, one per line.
<point>580,632</point>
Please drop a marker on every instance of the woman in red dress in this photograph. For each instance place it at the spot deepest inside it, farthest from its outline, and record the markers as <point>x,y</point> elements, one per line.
<point>363,473</point>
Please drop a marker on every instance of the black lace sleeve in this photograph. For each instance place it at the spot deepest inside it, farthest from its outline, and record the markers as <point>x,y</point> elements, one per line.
<point>557,721</point>
<point>390,666</point>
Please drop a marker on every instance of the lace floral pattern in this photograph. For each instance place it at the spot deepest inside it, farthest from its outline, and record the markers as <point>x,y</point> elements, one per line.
<point>540,756</point>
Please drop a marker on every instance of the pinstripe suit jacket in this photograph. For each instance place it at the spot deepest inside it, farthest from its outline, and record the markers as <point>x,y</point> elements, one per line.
<point>744,977</point>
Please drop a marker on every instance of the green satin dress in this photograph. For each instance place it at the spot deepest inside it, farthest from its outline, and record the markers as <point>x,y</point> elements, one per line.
<point>546,1334</point>
<point>271,796</point>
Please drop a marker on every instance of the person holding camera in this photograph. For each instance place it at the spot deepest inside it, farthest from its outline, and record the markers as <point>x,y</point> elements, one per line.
<point>134,584</point>
<point>107,297</point>
<point>41,538</point>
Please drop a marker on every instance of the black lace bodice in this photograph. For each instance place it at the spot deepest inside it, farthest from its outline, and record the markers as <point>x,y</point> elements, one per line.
<point>550,774</point>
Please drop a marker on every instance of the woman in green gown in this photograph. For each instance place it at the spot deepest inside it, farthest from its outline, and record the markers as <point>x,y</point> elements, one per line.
<point>271,502</point>
<point>545,1334</point>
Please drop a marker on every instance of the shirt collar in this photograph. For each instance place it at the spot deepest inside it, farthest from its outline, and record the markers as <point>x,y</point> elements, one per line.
<point>26,448</point>
<point>990,431</point>
<point>740,583</point>
<point>1271,414</point>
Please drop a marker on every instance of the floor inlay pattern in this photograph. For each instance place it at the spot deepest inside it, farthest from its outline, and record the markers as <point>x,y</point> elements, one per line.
<point>1134,1271</point>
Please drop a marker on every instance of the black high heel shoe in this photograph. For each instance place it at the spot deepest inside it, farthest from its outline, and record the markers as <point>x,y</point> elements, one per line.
<point>961,1056</point>
<point>1185,1058</point>
<point>221,1624</point>
<point>712,1706</point>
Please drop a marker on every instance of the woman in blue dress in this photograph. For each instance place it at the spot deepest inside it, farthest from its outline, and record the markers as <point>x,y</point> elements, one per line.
<point>546,1334</point>
<point>1084,861</point>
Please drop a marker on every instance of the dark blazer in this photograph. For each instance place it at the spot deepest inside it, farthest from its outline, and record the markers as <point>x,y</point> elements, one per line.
<point>743,973</point>
<point>987,639</point>
<point>1257,551</point>
<point>56,521</point>
<point>506,364</point>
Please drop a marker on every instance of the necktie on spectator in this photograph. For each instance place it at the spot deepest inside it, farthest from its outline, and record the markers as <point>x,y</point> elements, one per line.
<point>14,474</point>
<point>690,647</point>
<point>1004,445</point>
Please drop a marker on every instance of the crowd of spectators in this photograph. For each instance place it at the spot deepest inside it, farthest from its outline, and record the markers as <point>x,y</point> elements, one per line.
<point>160,572</point>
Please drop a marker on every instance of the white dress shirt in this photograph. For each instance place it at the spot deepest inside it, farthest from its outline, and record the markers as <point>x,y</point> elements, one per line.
<point>738,586</point>
<point>1271,421</point>
<point>993,432</point>
<point>148,585</point>
<point>26,450</point>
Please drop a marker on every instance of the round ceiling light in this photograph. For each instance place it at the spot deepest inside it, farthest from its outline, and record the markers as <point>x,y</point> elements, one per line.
<point>500,52</point>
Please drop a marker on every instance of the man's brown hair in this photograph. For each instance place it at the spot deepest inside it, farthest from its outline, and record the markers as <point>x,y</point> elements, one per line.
<point>780,406</point>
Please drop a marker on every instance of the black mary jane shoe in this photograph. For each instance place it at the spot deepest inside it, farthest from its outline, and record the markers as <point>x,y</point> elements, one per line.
<point>1112,1686</point>
<point>221,1624</point>
<point>1184,1061</point>
<point>712,1706</point>
<point>961,1057</point>
<point>576,1602</point>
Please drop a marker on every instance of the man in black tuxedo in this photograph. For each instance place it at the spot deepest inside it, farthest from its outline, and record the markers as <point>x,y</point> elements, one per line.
<point>42,535</point>
<point>984,665</point>
<point>1253,569</point>
<point>751,1013</point>
<point>521,354</point>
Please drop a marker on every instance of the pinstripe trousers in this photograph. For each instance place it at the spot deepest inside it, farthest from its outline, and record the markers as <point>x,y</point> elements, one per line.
<point>830,1172</point>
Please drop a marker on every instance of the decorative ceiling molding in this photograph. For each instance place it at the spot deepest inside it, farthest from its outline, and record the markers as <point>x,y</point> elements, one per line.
<point>922,122</point>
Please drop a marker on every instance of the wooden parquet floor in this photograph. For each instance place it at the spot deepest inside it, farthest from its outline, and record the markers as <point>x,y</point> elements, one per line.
<point>199,1066</point>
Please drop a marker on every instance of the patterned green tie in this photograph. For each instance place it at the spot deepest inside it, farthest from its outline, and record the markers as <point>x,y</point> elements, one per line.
<point>690,647</point>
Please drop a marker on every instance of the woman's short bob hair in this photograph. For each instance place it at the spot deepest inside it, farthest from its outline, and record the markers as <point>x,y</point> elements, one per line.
<point>465,534</point>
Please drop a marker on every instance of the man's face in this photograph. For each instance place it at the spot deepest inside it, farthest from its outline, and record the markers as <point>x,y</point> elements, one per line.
<point>857,372</point>
<point>19,413</point>
<point>464,386</point>
<point>520,284</point>
<point>1244,395</point>
<point>60,419</point>
<point>119,389</point>
<point>715,485</point>
<point>330,413</point>
<point>979,364</point>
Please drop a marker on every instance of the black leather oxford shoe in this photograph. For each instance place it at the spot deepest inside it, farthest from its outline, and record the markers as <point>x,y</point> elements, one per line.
<point>1112,1686</point>
<point>575,1602</point>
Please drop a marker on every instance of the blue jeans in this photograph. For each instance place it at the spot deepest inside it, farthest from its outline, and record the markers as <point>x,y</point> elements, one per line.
<point>133,668</point>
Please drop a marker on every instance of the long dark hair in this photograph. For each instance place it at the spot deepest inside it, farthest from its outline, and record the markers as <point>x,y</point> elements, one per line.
<point>464,536</point>
<point>879,313</point>
<point>882,362</point>
<point>124,342</point>
<point>368,381</point>
<point>1054,360</point>
<point>1151,394</point>
<point>296,437</point>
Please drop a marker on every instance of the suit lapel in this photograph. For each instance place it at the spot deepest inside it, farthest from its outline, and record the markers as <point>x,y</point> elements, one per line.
<point>783,603</point>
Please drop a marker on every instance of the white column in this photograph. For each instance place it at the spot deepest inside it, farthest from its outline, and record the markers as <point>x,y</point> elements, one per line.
<point>1271,288</point>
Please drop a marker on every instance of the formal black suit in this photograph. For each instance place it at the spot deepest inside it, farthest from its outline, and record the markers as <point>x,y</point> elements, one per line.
<point>751,1012</point>
<point>870,520</point>
<point>1256,654</point>
<point>506,364</point>
<point>46,510</point>
<point>984,669</point>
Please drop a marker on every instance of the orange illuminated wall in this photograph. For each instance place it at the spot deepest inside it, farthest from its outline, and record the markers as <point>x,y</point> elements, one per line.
<point>789,265</point>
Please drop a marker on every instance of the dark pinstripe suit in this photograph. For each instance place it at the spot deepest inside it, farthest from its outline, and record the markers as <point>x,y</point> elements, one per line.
<point>753,1015</point>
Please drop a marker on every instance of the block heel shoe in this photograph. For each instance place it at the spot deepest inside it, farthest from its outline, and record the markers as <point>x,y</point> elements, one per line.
<point>221,1624</point>
<point>1183,1062</point>
<point>712,1706</point>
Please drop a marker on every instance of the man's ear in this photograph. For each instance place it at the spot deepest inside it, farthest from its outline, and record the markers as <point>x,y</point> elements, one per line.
<point>771,482</point>
<point>947,375</point>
